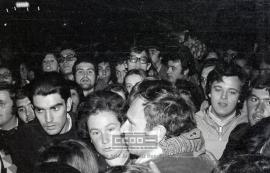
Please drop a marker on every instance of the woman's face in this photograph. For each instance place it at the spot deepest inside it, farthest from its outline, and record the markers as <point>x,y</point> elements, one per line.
<point>49,63</point>
<point>104,130</point>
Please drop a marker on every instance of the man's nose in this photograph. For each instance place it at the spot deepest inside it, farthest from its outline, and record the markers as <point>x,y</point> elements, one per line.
<point>261,106</point>
<point>48,116</point>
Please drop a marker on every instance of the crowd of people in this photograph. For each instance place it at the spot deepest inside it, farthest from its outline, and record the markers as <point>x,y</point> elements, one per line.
<point>151,109</point>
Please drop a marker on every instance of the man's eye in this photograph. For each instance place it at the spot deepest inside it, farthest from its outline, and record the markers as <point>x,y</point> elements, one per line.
<point>253,99</point>
<point>20,110</point>
<point>268,102</point>
<point>233,92</point>
<point>79,71</point>
<point>94,133</point>
<point>55,108</point>
<point>38,110</point>
<point>111,129</point>
<point>217,89</point>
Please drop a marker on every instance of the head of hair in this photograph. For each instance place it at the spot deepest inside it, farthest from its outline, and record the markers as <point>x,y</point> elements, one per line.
<point>257,136</point>
<point>71,152</point>
<point>23,92</point>
<point>130,168</point>
<point>97,102</point>
<point>84,59</point>
<point>50,83</point>
<point>138,72</point>
<point>227,70</point>
<point>164,106</point>
<point>182,54</point>
<point>261,82</point>
<point>246,163</point>
<point>54,167</point>
<point>117,88</point>
<point>187,87</point>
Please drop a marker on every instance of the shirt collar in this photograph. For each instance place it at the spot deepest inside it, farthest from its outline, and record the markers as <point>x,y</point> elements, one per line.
<point>220,122</point>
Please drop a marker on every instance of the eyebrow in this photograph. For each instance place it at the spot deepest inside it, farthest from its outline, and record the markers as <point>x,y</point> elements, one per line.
<point>58,104</point>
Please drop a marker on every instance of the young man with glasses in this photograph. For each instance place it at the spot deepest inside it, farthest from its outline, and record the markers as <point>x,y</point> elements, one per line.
<point>66,62</point>
<point>138,59</point>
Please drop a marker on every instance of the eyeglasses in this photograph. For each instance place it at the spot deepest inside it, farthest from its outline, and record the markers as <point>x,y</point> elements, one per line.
<point>67,58</point>
<point>134,59</point>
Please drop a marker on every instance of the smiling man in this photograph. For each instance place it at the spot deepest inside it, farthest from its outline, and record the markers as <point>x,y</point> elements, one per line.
<point>52,102</point>
<point>224,90</point>
<point>258,108</point>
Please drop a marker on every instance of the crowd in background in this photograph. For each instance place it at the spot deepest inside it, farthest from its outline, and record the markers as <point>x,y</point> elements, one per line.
<point>95,112</point>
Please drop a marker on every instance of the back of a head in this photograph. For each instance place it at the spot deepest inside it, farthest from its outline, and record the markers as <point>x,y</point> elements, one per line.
<point>50,83</point>
<point>245,164</point>
<point>70,152</point>
<point>130,168</point>
<point>53,167</point>
<point>151,89</point>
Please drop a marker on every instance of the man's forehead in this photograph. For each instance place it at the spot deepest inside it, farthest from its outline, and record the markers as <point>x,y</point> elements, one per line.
<point>4,94</point>
<point>67,52</point>
<point>138,54</point>
<point>23,101</point>
<point>85,65</point>
<point>262,93</point>
<point>176,62</point>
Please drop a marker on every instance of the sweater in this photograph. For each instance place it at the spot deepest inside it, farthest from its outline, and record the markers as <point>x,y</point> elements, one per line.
<point>215,136</point>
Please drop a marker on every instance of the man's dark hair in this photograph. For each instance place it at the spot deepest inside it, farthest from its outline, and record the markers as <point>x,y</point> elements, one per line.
<point>227,70</point>
<point>182,54</point>
<point>84,59</point>
<point>165,107</point>
<point>97,102</point>
<point>246,163</point>
<point>50,83</point>
<point>261,82</point>
<point>23,92</point>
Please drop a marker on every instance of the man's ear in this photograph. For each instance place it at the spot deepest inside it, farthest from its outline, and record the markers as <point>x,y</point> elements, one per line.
<point>69,104</point>
<point>160,131</point>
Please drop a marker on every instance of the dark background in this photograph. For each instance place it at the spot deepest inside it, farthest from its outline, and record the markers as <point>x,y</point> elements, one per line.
<point>120,23</point>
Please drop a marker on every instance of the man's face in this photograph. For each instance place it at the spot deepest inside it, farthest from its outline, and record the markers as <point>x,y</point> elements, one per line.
<point>136,123</point>
<point>258,105</point>
<point>138,61</point>
<point>25,109</point>
<point>264,68</point>
<point>121,72</point>
<point>154,55</point>
<point>51,111</point>
<point>67,61</point>
<point>224,96</point>
<point>102,127</point>
<point>49,63</point>
<point>6,105</point>
<point>175,71</point>
<point>85,75</point>
<point>6,76</point>
<point>104,71</point>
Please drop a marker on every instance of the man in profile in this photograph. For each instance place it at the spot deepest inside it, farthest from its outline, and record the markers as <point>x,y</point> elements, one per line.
<point>156,114</point>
